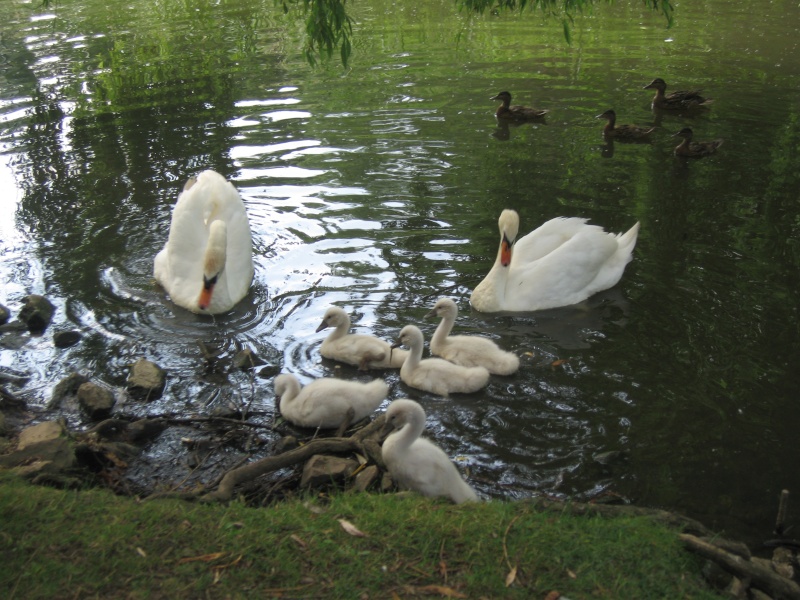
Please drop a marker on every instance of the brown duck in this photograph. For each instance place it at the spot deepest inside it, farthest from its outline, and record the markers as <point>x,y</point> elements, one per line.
<point>694,149</point>
<point>516,112</point>
<point>679,100</point>
<point>623,133</point>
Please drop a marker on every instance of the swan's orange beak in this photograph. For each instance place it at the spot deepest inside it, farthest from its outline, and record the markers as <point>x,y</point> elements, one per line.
<point>205,295</point>
<point>505,252</point>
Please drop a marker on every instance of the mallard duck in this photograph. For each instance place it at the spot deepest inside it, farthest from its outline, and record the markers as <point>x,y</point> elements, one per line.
<point>694,149</point>
<point>436,375</point>
<point>679,100</point>
<point>516,112</point>
<point>563,262</point>
<point>206,265</point>
<point>364,351</point>
<point>328,402</point>
<point>467,350</point>
<point>416,463</point>
<point>623,133</point>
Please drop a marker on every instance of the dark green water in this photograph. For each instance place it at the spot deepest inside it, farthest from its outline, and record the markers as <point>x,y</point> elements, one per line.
<point>378,188</point>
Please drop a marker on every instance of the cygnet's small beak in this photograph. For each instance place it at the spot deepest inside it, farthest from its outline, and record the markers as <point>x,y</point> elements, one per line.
<point>431,313</point>
<point>397,344</point>
<point>386,430</point>
<point>322,326</point>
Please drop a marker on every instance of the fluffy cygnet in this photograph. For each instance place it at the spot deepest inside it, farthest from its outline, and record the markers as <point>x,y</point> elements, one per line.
<point>416,463</point>
<point>363,351</point>
<point>327,403</point>
<point>464,350</point>
<point>436,375</point>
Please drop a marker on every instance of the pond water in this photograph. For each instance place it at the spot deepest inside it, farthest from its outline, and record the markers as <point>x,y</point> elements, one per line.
<point>377,188</point>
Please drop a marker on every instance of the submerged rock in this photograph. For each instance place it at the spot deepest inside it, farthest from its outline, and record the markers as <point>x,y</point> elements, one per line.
<point>5,314</point>
<point>37,313</point>
<point>247,359</point>
<point>65,388</point>
<point>146,380</point>
<point>66,339</point>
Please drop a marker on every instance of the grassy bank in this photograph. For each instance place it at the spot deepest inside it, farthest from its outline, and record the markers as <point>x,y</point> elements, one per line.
<point>91,544</point>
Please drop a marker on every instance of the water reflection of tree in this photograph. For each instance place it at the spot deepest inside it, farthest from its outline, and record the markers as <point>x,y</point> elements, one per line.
<point>121,121</point>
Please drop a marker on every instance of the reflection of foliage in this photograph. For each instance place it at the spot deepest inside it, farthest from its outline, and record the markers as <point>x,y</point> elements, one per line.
<point>563,9</point>
<point>327,26</point>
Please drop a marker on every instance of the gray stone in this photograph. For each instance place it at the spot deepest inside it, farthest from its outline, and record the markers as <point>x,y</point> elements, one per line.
<point>5,314</point>
<point>365,478</point>
<point>95,401</point>
<point>36,313</point>
<point>44,446</point>
<point>146,380</point>
<point>322,470</point>
<point>65,388</point>
<point>42,432</point>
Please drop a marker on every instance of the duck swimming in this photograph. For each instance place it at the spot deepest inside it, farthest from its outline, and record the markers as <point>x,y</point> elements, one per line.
<point>364,351</point>
<point>416,463</point>
<point>563,262</point>
<point>694,149</point>
<point>623,133</point>
<point>516,112</point>
<point>467,350</point>
<point>678,100</point>
<point>206,265</point>
<point>436,375</point>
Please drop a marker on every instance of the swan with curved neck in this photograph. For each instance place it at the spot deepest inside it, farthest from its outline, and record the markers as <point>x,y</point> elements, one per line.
<point>328,402</point>
<point>206,265</point>
<point>416,463</point>
<point>467,350</point>
<point>364,351</point>
<point>563,262</point>
<point>436,375</point>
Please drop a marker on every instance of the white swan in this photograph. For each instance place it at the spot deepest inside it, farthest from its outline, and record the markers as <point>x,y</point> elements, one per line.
<point>416,463</point>
<point>364,351</point>
<point>436,375</point>
<point>206,265</point>
<point>562,262</point>
<point>467,350</point>
<point>327,403</point>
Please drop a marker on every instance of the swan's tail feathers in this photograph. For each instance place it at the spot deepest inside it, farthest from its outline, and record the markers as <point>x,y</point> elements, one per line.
<point>627,241</point>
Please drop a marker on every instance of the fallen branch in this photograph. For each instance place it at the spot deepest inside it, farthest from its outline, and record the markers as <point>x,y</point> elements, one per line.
<point>760,577</point>
<point>273,463</point>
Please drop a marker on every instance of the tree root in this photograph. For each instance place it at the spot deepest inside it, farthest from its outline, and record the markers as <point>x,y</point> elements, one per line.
<point>759,576</point>
<point>365,440</point>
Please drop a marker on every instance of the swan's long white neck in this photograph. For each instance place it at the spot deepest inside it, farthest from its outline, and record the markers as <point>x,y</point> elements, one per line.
<point>290,392</point>
<point>408,433</point>
<point>216,249</point>
<point>444,328</point>
<point>414,352</point>
<point>342,329</point>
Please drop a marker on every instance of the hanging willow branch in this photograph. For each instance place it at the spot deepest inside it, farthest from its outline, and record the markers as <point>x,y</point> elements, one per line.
<point>329,27</point>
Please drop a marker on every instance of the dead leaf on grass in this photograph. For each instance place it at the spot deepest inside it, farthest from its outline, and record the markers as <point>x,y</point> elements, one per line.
<point>571,574</point>
<point>201,558</point>
<point>297,540</point>
<point>512,576</point>
<point>351,529</point>
<point>554,595</point>
<point>141,552</point>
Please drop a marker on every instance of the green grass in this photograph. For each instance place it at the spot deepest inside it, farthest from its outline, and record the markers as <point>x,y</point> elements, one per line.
<point>91,544</point>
